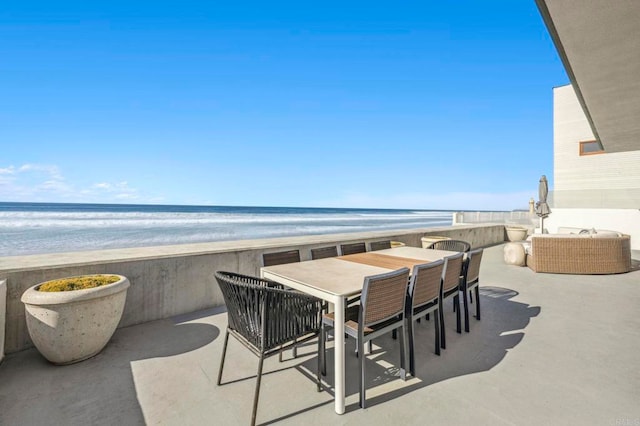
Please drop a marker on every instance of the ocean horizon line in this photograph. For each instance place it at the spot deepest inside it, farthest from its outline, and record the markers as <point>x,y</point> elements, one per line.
<point>154,205</point>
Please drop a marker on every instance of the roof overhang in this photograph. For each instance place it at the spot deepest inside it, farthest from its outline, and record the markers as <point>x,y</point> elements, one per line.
<point>599,44</point>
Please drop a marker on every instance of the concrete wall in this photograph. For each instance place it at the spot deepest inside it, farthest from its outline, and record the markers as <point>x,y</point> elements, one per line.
<point>172,280</point>
<point>3,312</point>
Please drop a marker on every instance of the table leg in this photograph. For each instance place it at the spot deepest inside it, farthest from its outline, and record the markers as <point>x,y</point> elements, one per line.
<point>339,378</point>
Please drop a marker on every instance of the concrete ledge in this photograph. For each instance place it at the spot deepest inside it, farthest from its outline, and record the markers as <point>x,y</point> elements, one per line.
<point>3,315</point>
<point>173,280</point>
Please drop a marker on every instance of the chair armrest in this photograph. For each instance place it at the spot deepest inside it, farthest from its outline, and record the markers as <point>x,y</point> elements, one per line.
<point>289,315</point>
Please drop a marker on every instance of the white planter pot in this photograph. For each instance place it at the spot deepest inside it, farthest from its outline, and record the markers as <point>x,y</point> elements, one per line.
<point>516,233</point>
<point>71,326</point>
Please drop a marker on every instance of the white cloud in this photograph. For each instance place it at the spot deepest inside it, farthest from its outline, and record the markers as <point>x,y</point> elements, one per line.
<point>52,171</point>
<point>7,175</point>
<point>46,183</point>
<point>119,190</point>
<point>55,185</point>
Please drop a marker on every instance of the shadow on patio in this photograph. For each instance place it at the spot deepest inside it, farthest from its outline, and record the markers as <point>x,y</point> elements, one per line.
<point>502,328</point>
<point>100,390</point>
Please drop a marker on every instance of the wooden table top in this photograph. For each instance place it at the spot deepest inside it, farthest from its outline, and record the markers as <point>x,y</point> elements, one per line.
<point>383,260</point>
<point>344,275</point>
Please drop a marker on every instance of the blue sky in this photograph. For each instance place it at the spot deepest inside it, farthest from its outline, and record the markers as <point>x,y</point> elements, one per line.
<point>444,105</point>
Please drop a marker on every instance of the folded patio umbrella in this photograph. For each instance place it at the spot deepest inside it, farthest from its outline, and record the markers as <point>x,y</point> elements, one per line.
<point>542,208</point>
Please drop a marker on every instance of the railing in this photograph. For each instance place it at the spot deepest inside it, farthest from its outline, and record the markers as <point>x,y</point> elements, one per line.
<point>508,218</point>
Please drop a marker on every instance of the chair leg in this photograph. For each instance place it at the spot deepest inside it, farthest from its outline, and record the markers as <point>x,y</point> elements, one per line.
<point>465,302</point>
<point>427,317</point>
<point>436,322</point>
<point>478,303</point>
<point>319,372</point>
<point>362,374</point>
<point>370,346</point>
<point>322,354</point>
<point>224,353</point>
<point>412,362</point>
<point>443,337</point>
<point>403,352</point>
<point>295,348</point>
<point>456,300</point>
<point>257,395</point>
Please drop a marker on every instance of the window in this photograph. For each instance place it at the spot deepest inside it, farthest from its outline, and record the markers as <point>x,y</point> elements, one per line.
<point>590,148</point>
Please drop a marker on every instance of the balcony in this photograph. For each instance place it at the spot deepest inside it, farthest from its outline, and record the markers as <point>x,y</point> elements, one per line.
<point>550,349</point>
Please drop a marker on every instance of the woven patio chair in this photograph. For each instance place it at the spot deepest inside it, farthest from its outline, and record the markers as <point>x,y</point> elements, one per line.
<point>381,310</point>
<point>451,245</point>
<point>424,298</point>
<point>354,248</point>
<point>380,245</point>
<point>450,288</point>
<point>324,252</point>
<point>471,281</point>
<point>280,258</point>
<point>265,317</point>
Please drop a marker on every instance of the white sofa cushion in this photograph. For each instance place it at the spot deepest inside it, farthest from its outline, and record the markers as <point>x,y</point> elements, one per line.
<point>568,230</point>
<point>606,234</point>
<point>601,233</point>
<point>561,236</point>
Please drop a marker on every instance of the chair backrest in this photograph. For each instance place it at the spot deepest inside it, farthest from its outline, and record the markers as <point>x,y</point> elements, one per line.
<point>324,252</point>
<point>380,245</point>
<point>354,248</point>
<point>244,297</point>
<point>383,297</point>
<point>425,283</point>
<point>265,314</point>
<point>452,271</point>
<point>280,258</point>
<point>471,271</point>
<point>451,245</point>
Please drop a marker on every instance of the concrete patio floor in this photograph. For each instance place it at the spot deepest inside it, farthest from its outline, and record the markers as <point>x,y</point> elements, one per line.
<point>550,349</point>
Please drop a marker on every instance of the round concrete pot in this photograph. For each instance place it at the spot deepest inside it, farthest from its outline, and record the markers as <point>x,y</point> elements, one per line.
<point>71,326</point>
<point>516,233</point>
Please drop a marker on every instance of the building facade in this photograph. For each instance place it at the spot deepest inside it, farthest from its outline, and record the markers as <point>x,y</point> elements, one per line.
<point>592,188</point>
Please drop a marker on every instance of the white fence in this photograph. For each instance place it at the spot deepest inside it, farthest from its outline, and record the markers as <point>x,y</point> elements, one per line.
<point>508,218</point>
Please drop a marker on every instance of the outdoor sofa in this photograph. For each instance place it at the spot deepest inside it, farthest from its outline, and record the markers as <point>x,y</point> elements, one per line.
<point>580,251</point>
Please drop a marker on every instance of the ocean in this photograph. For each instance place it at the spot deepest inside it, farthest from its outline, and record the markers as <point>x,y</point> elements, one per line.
<point>33,228</point>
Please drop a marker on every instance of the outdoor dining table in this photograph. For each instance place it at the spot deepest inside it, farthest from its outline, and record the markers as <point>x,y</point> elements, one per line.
<point>337,278</point>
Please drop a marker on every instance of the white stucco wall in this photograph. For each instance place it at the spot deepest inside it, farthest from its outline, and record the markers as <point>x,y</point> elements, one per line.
<point>609,180</point>
<point>621,220</point>
<point>599,191</point>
